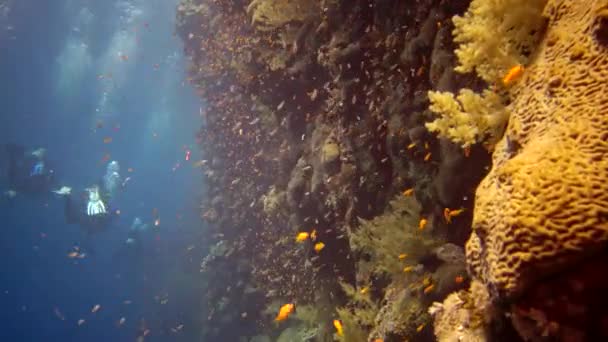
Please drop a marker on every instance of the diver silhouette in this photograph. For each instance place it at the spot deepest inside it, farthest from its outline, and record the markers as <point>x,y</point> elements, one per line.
<point>29,172</point>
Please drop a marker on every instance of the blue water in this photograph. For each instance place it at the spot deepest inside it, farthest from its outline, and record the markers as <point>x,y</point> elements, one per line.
<point>73,74</point>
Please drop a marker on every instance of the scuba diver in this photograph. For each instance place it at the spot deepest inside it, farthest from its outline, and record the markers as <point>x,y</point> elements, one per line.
<point>28,171</point>
<point>112,180</point>
<point>135,233</point>
<point>91,209</point>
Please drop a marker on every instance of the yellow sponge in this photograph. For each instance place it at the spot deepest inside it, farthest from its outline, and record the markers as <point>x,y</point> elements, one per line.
<point>544,204</point>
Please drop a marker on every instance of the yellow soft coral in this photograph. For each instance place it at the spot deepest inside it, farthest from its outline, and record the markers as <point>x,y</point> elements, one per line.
<point>495,35</point>
<point>271,14</point>
<point>468,118</point>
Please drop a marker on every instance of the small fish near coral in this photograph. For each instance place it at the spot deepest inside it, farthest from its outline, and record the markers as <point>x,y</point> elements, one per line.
<point>284,312</point>
<point>449,213</point>
<point>339,328</point>
<point>422,224</point>
<point>513,74</point>
<point>302,236</point>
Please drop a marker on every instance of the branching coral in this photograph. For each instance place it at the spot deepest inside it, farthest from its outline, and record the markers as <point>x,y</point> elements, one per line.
<point>496,35</point>
<point>392,234</point>
<point>271,14</point>
<point>359,316</point>
<point>468,118</point>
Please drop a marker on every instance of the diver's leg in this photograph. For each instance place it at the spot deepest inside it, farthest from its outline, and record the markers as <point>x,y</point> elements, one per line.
<point>70,211</point>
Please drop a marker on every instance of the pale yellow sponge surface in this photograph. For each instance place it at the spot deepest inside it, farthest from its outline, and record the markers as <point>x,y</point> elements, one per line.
<point>544,204</point>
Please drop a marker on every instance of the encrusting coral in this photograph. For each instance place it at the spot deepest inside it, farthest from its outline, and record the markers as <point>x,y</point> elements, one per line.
<point>543,208</point>
<point>544,204</point>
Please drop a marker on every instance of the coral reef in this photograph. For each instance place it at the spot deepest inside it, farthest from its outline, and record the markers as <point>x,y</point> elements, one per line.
<point>314,121</point>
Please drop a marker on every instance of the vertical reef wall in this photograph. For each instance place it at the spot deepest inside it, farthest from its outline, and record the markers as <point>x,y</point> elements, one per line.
<point>345,142</point>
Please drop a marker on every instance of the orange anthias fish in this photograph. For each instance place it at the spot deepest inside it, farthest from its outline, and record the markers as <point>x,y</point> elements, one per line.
<point>408,192</point>
<point>302,236</point>
<point>422,223</point>
<point>319,246</point>
<point>339,328</point>
<point>448,214</point>
<point>313,234</point>
<point>513,74</point>
<point>284,312</point>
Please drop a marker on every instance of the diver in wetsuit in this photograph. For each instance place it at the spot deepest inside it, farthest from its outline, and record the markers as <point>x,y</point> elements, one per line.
<point>91,209</point>
<point>29,171</point>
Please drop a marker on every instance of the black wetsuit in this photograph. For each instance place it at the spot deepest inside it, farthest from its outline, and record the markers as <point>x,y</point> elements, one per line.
<point>76,213</point>
<point>28,173</point>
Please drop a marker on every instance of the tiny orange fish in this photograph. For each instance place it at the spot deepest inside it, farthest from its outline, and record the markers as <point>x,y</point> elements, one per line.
<point>411,146</point>
<point>364,290</point>
<point>408,269</point>
<point>427,157</point>
<point>284,312</point>
<point>302,236</point>
<point>402,256</point>
<point>513,74</point>
<point>420,327</point>
<point>429,288</point>
<point>339,328</point>
<point>459,279</point>
<point>448,214</point>
<point>313,234</point>
<point>408,192</point>
<point>422,223</point>
<point>319,246</point>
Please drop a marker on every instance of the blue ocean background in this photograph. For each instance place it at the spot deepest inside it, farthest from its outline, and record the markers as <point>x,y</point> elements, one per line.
<point>75,74</point>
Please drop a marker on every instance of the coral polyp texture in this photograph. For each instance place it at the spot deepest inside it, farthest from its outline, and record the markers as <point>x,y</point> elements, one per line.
<point>544,204</point>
